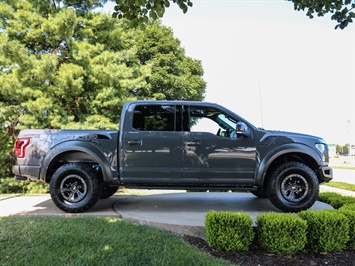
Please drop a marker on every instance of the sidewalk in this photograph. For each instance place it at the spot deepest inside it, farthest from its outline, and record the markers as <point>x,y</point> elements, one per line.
<point>44,206</point>
<point>325,188</point>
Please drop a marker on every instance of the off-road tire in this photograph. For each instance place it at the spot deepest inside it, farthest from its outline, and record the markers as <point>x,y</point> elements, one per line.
<point>293,187</point>
<point>75,187</point>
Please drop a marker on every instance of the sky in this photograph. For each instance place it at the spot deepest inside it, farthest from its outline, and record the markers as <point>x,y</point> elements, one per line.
<point>273,65</point>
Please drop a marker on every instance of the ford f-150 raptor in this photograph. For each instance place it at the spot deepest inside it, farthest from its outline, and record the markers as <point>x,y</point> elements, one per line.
<point>174,145</point>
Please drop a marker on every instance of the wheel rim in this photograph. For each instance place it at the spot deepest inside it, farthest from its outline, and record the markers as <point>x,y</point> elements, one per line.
<point>294,188</point>
<point>73,188</point>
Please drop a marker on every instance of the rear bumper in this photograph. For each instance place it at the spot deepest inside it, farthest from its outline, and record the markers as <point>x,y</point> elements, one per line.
<point>326,173</point>
<point>26,172</point>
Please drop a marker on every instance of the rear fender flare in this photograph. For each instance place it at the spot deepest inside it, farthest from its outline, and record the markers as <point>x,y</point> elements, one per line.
<point>72,147</point>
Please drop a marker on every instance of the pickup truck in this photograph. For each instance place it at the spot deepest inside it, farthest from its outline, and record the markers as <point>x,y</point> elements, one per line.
<point>183,145</point>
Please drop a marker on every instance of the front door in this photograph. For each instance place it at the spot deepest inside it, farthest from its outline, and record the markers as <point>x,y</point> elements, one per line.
<point>212,155</point>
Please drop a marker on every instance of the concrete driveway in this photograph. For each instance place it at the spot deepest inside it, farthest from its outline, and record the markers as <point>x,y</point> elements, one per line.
<point>182,213</point>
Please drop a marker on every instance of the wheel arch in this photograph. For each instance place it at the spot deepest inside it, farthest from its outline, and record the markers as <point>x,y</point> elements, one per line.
<point>298,153</point>
<point>74,152</point>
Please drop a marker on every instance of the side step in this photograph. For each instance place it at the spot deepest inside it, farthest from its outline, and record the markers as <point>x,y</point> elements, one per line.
<point>20,178</point>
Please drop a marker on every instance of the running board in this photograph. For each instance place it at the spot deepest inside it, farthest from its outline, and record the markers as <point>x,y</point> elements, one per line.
<point>20,178</point>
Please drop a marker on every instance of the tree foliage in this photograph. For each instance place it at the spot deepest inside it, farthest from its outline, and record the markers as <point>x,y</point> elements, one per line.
<point>139,11</point>
<point>342,150</point>
<point>70,69</point>
<point>341,10</point>
<point>170,78</point>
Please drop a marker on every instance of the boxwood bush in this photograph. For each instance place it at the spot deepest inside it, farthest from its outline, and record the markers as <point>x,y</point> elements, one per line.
<point>281,233</point>
<point>335,200</point>
<point>348,206</point>
<point>349,211</point>
<point>328,230</point>
<point>229,231</point>
<point>10,186</point>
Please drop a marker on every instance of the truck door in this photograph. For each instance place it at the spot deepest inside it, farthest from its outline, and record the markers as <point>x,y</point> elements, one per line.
<point>213,154</point>
<point>152,145</point>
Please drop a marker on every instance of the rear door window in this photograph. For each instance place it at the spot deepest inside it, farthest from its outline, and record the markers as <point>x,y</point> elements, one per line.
<point>154,118</point>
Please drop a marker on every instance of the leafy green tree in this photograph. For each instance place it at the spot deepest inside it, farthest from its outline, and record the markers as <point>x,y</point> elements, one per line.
<point>174,76</point>
<point>66,68</point>
<point>341,10</point>
<point>6,158</point>
<point>139,11</point>
<point>342,149</point>
<point>47,6</point>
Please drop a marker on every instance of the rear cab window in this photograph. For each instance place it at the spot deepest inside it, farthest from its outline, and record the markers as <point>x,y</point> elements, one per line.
<point>154,118</point>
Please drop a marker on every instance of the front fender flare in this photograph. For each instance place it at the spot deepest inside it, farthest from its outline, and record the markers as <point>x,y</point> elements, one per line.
<point>291,148</point>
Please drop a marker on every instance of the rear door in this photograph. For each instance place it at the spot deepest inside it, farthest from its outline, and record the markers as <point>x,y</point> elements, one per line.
<point>211,155</point>
<point>152,145</point>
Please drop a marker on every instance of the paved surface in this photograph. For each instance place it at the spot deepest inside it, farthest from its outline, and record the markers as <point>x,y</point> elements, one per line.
<point>182,213</point>
<point>347,176</point>
<point>43,206</point>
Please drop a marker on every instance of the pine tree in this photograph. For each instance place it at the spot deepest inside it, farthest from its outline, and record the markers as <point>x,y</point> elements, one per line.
<point>71,68</point>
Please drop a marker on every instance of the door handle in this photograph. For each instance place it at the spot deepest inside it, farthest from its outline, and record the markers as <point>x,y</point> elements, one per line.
<point>193,143</point>
<point>135,142</point>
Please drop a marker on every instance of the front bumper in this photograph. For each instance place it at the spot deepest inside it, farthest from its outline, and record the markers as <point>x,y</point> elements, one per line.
<point>325,173</point>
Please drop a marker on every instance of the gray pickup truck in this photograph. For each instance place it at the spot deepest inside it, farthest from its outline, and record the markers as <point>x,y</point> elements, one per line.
<point>174,145</point>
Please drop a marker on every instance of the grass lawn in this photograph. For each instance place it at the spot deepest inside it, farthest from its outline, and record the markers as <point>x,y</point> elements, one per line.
<point>92,241</point>
<point>341,185</point>
<point>344,167</point>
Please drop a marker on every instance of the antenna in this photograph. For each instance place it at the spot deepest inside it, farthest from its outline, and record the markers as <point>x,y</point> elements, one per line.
<point>261,107</point>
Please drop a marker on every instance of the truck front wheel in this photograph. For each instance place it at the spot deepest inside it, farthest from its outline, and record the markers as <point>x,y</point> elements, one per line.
<point>75,187</point>
<point>293,187</point>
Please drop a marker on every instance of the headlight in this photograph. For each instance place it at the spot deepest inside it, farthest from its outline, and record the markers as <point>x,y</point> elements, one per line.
<point>320,147</point>
<point>323,149</point>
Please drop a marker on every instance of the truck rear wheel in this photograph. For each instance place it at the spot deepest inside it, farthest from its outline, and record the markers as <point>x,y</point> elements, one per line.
<point>293,187</point>
<point>75,187</point>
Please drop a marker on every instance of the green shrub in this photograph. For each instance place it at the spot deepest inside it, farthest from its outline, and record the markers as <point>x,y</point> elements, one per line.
<point>229,231</point>
<point>281,233</point>
<point>348,206</point>
<point>10,186</point>
<point>350,214</point>
<point>327,196</point>
<point>335,200</point>
<point>328,230</point>
<point>7,158</point>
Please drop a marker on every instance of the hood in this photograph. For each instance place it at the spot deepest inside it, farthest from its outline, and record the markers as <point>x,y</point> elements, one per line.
<point>295,137</point>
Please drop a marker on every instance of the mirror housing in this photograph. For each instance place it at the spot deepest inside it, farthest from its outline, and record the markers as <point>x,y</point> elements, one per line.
<point>242,130</point>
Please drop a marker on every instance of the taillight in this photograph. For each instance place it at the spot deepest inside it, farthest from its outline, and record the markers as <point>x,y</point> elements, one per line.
<point>20,147</point>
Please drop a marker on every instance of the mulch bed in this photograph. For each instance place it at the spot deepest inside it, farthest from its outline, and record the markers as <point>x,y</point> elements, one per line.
<point>255,256</point>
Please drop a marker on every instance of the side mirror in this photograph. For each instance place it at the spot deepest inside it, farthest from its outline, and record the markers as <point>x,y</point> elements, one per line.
<point>242,130</point>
